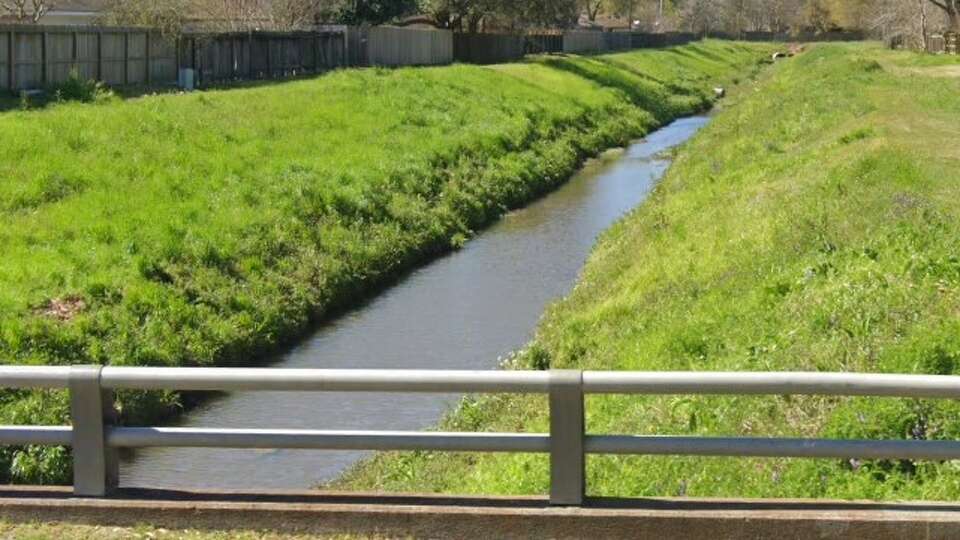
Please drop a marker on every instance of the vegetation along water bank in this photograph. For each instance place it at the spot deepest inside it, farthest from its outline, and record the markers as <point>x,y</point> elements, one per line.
<point>246,215</point>
<point>813,225</point>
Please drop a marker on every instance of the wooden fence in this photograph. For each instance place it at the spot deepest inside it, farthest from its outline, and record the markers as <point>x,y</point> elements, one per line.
<point>390,46</point>
<point>617,41</point>
<point>40,56</point>
<point>261,55</point>
<point>582,41</point>
<point>543,43</point>
<point>488,48</point>
<point>44,56</point>
<point>357,39</point>
<point>641,40</point>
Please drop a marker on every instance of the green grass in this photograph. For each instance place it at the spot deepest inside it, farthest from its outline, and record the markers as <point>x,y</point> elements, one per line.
<point>813,225</point>
<point>210,228</point>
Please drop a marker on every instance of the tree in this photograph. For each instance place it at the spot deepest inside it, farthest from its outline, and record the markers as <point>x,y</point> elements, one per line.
<point>478,15</point>
<point>625,8</point>
<point>819,15</point>
<point>461,15</point>
<point>702,16</point>
<point>170,16</point>
<point>376,11</point>
<point>591,8</point>
<point>518,16</point>
<point>26,10</point>
<point>297,14</point>
<point>952,9</point>
<point>242,15</point>
<point>922,6</point>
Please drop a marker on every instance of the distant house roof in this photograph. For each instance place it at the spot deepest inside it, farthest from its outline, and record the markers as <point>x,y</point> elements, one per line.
<point>79,9</point>
<point>81,6</point>
<point>603,21</point>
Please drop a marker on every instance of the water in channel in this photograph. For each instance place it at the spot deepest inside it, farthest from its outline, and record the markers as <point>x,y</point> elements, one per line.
<point>462,311</point>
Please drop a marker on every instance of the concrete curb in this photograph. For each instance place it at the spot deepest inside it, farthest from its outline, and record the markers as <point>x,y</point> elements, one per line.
<point>472,517</point>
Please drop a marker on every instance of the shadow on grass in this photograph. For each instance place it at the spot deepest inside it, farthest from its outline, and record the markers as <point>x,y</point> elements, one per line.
<point>12,102</point>
<point>646,94</point>
<point>699,50</point>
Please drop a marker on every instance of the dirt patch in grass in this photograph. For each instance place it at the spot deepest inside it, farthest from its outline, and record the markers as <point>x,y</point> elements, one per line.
<point>949,72</point>
<point>63,309</point>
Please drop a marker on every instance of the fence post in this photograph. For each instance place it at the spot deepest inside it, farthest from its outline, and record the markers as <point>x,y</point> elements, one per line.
<point>146,59</point>
<point>75,52</point>
<point>269,41</point>
<point>126,57</point>
<point>567,459</point>
<point>100,55</point>
<point>250,54</point>
<point>177,51</point>
<point>44,59</point>
<point>12,60</point>
<point>95,465</point>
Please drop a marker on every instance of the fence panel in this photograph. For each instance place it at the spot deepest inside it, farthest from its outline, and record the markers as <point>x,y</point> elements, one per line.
<point>488,48</point>
<point>136,55</point>
<point>163,60</point>
<point>680,38</point>
<point>86,59</point>
<point>617,41</point>
<point>260,55</point>
<point>60,60</point>
<point>5,38</point>
<point>643,40</point>
<point>579,41</point>
<point>543,43</point>
<point>28,60</point>
<point>389,46</point>
<point>113,64</point>
<point>357,41</point>
<point>951,43</point>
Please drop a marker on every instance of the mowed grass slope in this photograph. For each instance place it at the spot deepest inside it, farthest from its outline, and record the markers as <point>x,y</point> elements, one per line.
<point>209,228</point>
<point>814,225</point>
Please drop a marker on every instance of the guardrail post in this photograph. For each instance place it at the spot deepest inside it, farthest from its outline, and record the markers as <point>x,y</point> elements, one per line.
<point>567,459</point>
<point>95,465</point>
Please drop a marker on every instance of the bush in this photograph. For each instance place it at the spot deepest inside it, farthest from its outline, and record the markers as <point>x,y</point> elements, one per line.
<point>76,88</point>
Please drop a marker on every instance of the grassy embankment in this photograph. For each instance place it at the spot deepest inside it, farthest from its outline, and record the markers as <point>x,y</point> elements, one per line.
<point>210,228</point>
<point>814,225</point>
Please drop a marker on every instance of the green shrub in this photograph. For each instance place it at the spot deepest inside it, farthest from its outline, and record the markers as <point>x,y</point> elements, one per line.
<point>76,88</point>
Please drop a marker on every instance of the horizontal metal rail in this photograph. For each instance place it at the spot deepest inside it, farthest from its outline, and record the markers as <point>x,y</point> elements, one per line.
<point>324,380</point>
<point>34,376</point>
<point>39,435</point>
<point>453,381</point>
<point>95,437</point>
<point>771,383</point>
<point>327,440</point>
<point>127,437</point>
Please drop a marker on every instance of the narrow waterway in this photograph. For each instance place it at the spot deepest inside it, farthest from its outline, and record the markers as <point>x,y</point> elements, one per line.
<point>463,311</point>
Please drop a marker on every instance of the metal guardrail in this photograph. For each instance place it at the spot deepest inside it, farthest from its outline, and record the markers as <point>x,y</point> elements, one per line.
<point>95,435</point>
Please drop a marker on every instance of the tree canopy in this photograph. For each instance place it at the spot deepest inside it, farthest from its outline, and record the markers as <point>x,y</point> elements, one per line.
<point>734,16</point>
